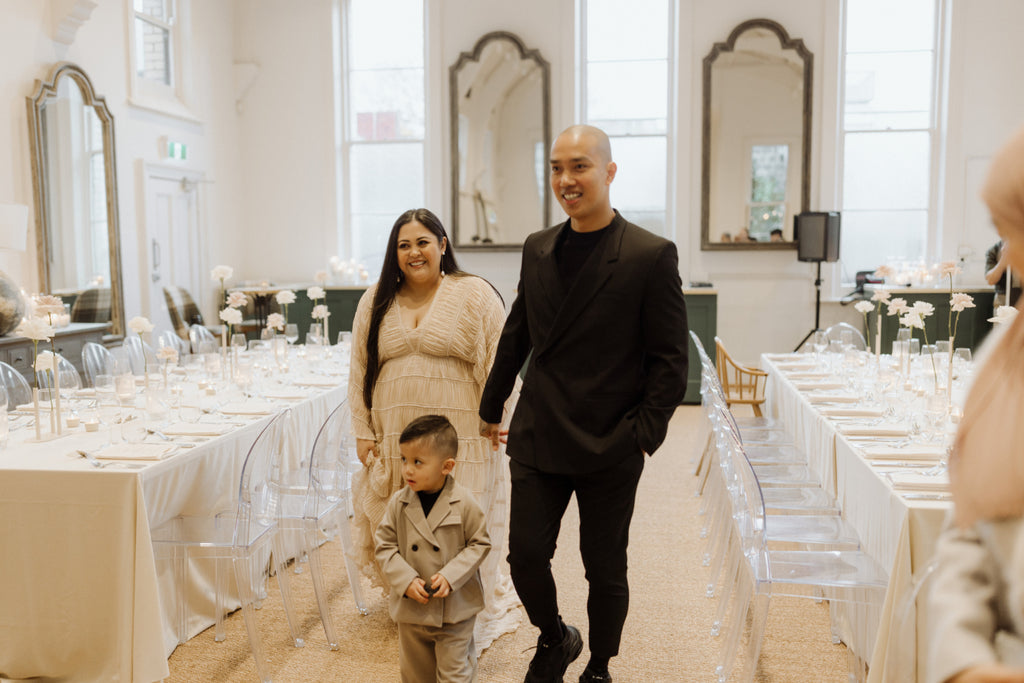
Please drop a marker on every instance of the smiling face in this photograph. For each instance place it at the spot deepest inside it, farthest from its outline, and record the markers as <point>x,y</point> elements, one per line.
<point>423,467</point>
<point>581,171</point>
<point>419,254</point>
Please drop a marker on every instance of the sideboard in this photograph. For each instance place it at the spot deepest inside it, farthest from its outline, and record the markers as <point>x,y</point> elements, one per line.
<point>18,352</point>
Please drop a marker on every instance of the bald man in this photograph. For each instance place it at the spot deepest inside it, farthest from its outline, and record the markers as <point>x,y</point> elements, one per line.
<point>599,313</point>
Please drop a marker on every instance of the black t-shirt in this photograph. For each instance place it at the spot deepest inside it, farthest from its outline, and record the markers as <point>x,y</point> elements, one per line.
<point>427,500</point>
<point>572,250</point>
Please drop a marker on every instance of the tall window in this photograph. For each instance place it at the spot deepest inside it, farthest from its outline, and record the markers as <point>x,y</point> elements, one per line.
<point>159,61</point>
<point>889,132</point>
<point>382,156</point>
<point>626,67</point>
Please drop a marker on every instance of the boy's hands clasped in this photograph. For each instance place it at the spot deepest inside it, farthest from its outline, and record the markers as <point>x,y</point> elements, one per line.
<point>421,593</point>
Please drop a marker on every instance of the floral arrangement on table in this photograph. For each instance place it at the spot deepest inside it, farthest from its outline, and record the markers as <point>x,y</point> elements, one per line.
<point>167,354</point>
<point>1004,314</point>
<point>276,322</point>
<point>285,297</point>
<point>316,293</point>
<point>222,274</point>
<point>914,318</point>
<point>140,326</point>
<point>39,329</point>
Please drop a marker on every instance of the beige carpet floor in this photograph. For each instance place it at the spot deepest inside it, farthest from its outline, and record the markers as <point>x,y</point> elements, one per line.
<point>667,636</point>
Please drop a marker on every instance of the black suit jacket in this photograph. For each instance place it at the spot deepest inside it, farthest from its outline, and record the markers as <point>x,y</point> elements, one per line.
<point>609,355</point>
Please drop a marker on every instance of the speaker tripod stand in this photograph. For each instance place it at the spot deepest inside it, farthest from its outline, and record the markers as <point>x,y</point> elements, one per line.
<point>817,310</point>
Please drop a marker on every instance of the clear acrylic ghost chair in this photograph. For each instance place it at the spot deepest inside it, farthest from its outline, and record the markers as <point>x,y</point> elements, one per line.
<point>19,393</point>
<point>96,360</point>
<point>244,538</point>
<point>197,334</point>
<point>70,380</point>
<point>171,339</point>
<point>855,336</point>
<point>837,575</point>
<point>139,354</point>
<point>315,501</point>
<point>905,657</point>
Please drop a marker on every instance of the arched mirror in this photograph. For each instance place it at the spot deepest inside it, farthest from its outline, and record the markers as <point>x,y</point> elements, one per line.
<point>500,135</point>
<point>73,171</point>
<point>756,151</point>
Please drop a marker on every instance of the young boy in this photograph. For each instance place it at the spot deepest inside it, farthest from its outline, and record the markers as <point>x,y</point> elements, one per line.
<point>430,545</point>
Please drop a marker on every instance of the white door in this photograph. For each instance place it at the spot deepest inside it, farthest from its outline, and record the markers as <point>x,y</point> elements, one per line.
<point>172,238</point>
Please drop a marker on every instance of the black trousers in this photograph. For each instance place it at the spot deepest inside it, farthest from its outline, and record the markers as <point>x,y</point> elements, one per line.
<point>605,501</point>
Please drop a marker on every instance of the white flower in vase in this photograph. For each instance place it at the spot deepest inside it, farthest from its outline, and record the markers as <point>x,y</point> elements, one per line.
<point>237,300</point>
<point>897,307</point>
<point>960,301</point>
<point>168,354</point>
<point>1004,314</point>
<point>864,307</point>
<point>315,293</point>
<point>231,316</point>
<point>882,296</point>
<point>275,321</point>
<point>48,306</point>
<point>45,361</point>
<point>912,319</point>
<point>948,269</point>
<point>221,273</point>
<point>140,325</point>
<point>924,308</point>
<point>320,276</point>
<point>320,312</point>
<point>36,329</point>
<point>884,271</point>
<point>285,297</point>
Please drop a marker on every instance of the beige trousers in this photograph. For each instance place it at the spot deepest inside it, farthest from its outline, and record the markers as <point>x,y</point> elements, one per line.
<point>428,654</point>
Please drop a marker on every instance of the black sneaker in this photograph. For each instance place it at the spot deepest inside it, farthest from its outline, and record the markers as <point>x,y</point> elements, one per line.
<point>552,659</point>
<point>589,676</point>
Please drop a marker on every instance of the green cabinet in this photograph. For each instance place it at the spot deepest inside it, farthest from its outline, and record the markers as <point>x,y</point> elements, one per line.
<point>341,302</point>
<point>702,317</point>
<point>970,330</point>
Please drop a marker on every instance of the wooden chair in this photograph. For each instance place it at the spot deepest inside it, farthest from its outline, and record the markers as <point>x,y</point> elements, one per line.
<point>742,385</point>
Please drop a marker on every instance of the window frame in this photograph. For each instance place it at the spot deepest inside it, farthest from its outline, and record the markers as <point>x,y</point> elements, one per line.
<point>178,98</point>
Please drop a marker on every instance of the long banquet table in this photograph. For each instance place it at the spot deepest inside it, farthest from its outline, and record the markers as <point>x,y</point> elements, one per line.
<point>82,597</point>
<point>897,528</point>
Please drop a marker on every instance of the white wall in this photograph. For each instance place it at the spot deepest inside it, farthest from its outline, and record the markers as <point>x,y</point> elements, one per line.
<point>271,206</point>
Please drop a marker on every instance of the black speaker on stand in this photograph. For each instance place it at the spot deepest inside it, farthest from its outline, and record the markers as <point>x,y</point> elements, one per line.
<point>817,236</point>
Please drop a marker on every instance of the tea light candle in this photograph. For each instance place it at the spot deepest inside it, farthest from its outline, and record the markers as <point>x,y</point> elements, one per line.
<point>72,422</point>
<point>92,426</point>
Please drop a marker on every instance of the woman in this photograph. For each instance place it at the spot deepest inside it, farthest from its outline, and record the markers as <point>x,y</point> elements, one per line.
<point>976,606</point>
<point>423,341</point>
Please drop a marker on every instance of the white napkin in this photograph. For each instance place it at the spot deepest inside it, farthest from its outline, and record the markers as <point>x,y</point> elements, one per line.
<point>251,408</point>
<point>784,356</point>
<point>852,412</point>
<point>917,481</point>
<point>818,386</point>
<point>807,375</point>
<point>873,430</point>
<point>819,397</point>
<point>135,451</point>
<point>197,429</point>
<point>286,394</point>
<point>796,367</point>
<point>911,452</point>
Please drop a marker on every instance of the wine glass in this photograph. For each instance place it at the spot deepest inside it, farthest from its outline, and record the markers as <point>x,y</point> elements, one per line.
<point>238,341</point>
<point>315,334</point>
<point>935,409</point>
<point>819,342</point>
<point>267,333</point>
<point>107,404</point>
<point>291,333</point>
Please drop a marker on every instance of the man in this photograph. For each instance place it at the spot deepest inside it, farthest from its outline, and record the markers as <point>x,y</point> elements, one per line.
<point>599,312</point>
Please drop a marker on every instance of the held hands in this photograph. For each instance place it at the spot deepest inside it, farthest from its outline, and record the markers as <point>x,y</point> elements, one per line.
<point>418,591</point>
<point>364,448</point>
<point>989,673</point>
<point>494,433</point>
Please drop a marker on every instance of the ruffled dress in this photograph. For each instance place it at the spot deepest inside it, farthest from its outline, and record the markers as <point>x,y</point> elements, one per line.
<point>439,367</point>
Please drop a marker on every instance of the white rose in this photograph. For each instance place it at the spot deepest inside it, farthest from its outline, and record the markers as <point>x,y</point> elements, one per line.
<point>221,273</point>
<point>285,297</point>
<point>315,293</point>
<point>140,325</point>
<point>232,316</point>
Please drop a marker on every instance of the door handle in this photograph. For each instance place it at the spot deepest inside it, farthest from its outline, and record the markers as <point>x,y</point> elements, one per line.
<point>156,261</point>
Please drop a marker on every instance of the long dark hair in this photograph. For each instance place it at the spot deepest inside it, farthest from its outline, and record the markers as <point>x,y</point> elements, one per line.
<point>391,280</point>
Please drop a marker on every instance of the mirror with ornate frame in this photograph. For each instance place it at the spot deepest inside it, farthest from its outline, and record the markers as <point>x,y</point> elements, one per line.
<point>756,138</point>
<point>74,175</point>
<point>500,136</point>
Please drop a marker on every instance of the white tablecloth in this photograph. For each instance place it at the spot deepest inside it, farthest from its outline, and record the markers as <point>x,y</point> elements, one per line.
<point>899,534</point>
<point>81,596</point>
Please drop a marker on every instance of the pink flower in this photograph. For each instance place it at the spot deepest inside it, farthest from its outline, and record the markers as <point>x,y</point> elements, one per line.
<point>949,268</point>
<point>884,271</point>
<point>47,304</point>
<point>960,301</point>
<point>881,295</point>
